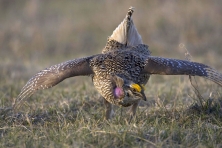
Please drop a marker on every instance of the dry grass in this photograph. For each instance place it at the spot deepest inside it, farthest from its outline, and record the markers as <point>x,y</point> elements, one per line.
<point>36,34</point>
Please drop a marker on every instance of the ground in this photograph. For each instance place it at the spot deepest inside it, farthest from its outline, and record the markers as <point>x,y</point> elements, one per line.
<point>35,35</point>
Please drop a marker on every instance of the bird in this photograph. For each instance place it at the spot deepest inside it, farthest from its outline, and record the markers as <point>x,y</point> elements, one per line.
<point>120,72</point>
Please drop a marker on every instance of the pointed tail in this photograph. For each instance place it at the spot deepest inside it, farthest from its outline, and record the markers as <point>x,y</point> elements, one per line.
<point>126,32</point>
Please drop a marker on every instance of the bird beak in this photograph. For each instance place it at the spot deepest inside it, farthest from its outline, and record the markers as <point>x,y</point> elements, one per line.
<point>143,96</point>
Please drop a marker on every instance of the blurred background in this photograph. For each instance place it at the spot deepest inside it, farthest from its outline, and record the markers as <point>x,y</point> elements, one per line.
<point>35,34</point>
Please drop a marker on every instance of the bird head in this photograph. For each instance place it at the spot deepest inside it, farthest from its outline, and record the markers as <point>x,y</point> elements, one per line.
<point>127,92</point>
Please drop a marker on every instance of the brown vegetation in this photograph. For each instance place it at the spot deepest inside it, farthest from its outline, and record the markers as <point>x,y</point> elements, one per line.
<point>35,34</point>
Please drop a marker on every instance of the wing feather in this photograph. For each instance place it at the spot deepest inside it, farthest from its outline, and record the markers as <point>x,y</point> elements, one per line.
<point>53,75</point>
<point>165,66</point>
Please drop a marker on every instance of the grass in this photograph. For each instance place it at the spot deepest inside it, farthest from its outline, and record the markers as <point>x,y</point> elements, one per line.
<point>71,114</point>
<point>67,117</point>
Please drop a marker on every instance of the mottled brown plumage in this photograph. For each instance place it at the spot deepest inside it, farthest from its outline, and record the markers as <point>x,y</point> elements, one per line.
<point>120,71</point>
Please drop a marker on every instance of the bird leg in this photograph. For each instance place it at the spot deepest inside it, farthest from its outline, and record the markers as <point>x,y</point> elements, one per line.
<point>133,109</point>
<point>109,109</point>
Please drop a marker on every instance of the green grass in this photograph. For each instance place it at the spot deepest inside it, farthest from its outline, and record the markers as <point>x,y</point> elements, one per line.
<point>67,117</point>
<point>35,35</point>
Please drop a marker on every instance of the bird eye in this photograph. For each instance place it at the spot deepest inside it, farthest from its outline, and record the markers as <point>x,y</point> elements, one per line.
<point>134,90</point>
<point>127,94</point>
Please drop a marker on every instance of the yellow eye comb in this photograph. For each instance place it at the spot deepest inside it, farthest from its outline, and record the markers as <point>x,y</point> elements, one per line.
<point>136,87</point>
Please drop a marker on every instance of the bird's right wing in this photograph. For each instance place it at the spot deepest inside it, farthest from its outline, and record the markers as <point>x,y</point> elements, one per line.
<point>53,75</point>
<point>165,66</point>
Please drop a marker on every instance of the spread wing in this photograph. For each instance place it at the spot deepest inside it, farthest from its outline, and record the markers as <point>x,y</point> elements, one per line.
<point>164,66</point>
<point>53,75</point>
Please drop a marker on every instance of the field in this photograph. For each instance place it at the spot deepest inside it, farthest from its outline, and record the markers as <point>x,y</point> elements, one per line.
<point>36,34</point>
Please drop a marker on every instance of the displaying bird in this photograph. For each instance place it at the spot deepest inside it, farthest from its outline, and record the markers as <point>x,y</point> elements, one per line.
<point>120,72</point>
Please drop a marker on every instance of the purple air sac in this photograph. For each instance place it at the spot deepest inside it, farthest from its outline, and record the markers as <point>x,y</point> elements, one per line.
<point>118,92</point>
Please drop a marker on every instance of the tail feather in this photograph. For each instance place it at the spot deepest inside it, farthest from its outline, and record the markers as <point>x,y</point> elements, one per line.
<point>126,32</point>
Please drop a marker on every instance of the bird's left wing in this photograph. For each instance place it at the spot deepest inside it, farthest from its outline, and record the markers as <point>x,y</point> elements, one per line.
<point>165,66</point>
<point>53,75</point>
